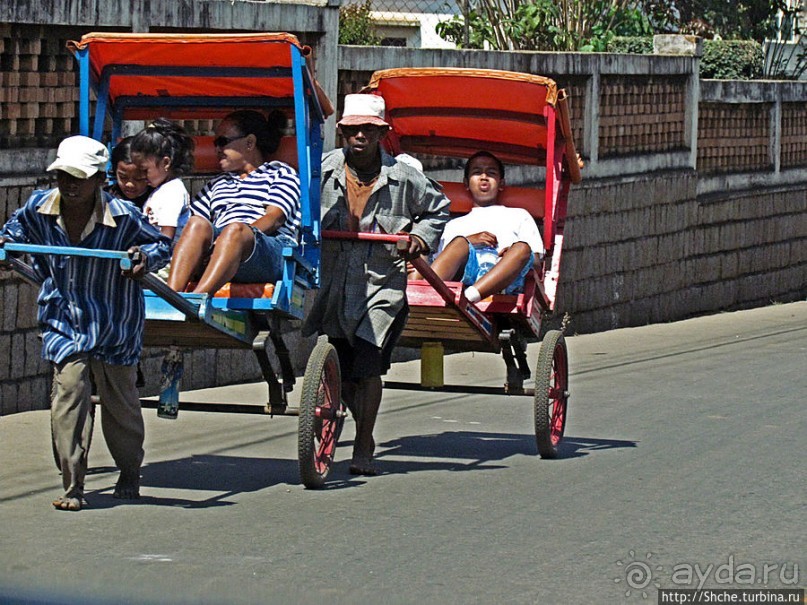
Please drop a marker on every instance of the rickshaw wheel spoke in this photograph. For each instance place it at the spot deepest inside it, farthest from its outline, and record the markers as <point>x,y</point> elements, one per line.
<point>321,416</point>
<point>551,394</point>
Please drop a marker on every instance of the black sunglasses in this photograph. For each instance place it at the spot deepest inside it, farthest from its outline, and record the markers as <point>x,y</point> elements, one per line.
<point>365,128</point>
<point>223,141</point>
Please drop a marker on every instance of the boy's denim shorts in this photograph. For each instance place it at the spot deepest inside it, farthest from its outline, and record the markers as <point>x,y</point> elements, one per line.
<point>265,264</point>
<point>472,274</point>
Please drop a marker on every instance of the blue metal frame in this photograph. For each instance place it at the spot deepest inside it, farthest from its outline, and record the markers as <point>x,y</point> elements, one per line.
<point>301,264</point>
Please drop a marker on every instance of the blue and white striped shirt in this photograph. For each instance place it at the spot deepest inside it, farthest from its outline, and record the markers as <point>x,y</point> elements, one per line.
<point>85,304</point>
<point>227,198</point>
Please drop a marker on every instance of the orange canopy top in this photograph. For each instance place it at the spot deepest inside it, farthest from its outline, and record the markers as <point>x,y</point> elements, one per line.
<point>456,111</point>
<point>192,65</point>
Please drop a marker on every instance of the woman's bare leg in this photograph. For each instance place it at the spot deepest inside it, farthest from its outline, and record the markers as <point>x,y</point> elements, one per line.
<point>233,246</point>
<point>189,252</point>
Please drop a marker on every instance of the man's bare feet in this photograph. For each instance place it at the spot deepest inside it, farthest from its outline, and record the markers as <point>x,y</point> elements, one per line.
<point>71,503</point>
<point>363,466</point>
<point>362,462</point>
<point>127,487</point>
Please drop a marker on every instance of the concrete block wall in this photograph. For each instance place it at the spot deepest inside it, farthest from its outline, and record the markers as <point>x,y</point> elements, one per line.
<point>24,377</point>
<point>651,250</point>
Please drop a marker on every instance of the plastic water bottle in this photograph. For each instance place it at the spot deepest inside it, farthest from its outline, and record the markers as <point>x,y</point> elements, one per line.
<point>486,257</point>
<point>172,370</point>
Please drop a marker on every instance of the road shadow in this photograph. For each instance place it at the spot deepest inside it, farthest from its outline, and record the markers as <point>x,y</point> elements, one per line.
<point>227,476</point>
<point>577,447</point>
<point>222,476</point>
<point>470,450</point>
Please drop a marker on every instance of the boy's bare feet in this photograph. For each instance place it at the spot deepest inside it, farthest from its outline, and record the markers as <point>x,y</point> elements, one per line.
<point>71,503</point>
<point>127,487</point>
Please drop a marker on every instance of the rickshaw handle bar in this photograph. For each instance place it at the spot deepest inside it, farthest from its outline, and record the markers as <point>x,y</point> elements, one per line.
<point>401,240</point>
<point>393,238</point>
<point>122,256</point>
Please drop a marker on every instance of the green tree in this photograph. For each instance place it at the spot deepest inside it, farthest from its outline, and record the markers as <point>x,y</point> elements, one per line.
<point>356,26</point>
<point>580,25</point>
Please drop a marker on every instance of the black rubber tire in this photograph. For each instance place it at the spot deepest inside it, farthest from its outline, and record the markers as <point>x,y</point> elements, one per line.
<point>322,415</point>
<point>551,393</point>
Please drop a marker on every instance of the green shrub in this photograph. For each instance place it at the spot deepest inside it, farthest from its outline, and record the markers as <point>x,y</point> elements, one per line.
<point>356,26</point>
<point>732,60</point>
<point>634,45</point>
<point>722,59</point>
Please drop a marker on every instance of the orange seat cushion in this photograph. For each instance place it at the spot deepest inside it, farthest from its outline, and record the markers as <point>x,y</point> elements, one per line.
<point>231,290</point>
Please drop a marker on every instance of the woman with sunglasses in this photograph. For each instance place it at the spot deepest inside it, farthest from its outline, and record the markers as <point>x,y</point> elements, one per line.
<point>242,218</point>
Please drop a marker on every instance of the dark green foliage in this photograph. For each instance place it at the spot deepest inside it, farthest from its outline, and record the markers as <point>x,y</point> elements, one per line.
<point>633,45</point>
<point>355,25</point>
<point>732,60</point>
<point>479,31</point>
<point>735,19</point>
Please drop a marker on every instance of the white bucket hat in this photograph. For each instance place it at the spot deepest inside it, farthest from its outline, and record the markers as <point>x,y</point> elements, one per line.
<point>80,156</point>
<point>363,109</point>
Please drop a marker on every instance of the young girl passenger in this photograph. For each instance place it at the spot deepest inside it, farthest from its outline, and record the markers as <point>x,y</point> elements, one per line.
<point>130,182</point>
<point>164,152</point>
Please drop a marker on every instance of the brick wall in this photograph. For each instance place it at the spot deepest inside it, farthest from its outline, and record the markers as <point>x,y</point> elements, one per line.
<point>734,138</point>
<point>641,114</point>
<point>794,139</point>
<point>38,85</point>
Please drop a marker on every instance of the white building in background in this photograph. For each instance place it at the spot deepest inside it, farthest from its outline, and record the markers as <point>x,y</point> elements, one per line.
<point>412,23</point>
<point>790,31</point>
<point>786,53</point>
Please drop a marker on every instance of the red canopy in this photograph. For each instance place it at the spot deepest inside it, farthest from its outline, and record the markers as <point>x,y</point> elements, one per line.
<point>131,56</point>
<point>456,111</point>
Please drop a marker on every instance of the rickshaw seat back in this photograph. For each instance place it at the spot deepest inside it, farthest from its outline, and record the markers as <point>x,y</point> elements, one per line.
<point>206,161</point>
<point>528,198</point>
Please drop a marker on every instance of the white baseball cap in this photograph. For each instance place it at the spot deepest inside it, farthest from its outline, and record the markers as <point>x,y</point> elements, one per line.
<point>363,109</point>
<point>80,156</point>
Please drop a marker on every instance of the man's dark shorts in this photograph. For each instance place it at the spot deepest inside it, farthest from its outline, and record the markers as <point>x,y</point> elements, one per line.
<point>364,359</point>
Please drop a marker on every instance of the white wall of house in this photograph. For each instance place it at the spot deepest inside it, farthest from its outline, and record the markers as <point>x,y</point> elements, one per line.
<point>417,29</point>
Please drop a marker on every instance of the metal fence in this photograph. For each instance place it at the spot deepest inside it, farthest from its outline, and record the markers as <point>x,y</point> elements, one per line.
<point>438,7</point>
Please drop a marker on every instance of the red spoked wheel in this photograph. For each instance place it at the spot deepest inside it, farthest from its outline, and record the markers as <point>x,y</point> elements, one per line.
<point>551,393</point>
<point>322,415</point>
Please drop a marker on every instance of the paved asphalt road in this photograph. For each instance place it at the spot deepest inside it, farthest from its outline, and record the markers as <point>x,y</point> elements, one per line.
<point>684,457</point>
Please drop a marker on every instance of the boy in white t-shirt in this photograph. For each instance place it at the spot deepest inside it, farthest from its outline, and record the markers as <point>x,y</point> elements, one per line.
<point>512,232</point>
